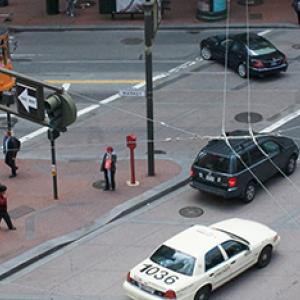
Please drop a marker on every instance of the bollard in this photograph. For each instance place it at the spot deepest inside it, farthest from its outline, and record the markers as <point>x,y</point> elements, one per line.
<point>131,144</point>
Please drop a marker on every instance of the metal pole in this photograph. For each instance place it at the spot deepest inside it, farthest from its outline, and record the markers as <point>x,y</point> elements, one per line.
<point>53,163</point>
<point>8,117</point>
<point>148,21</point>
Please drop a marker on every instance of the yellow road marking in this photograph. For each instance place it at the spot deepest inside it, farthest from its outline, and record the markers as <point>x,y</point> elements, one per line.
<point>104,81</point>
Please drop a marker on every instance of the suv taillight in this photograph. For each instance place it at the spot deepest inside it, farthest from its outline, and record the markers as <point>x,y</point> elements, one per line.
<point>170,294</point>
<point>192,173</point>
<point>232,182</point>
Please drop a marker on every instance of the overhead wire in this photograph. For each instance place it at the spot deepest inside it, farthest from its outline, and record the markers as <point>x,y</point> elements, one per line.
<point>249,116</point>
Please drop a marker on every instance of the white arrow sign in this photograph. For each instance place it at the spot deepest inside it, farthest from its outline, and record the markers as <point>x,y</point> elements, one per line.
<point>27,100</point>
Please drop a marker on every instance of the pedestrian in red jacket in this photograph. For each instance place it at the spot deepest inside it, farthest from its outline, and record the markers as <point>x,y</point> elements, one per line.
<point>3,208</point>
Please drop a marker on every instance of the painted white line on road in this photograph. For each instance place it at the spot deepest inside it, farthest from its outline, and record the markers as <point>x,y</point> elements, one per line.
<point>264,32</point>
<point>282,121</point>
<point>87,109</point>
<point>34,134</point>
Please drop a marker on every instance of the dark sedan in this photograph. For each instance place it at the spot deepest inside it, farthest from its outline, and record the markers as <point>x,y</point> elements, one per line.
<point>247,54</point>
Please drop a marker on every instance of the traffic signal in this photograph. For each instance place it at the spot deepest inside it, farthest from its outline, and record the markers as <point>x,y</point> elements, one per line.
<point>61,111</point>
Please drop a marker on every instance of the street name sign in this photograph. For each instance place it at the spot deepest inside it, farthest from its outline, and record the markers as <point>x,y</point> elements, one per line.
<point>132,93</point>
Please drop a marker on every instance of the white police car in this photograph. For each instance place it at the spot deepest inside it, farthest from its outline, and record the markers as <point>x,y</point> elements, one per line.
<point>199,259</point>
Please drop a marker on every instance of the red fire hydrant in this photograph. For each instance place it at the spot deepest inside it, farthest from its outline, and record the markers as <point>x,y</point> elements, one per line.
<point>131,144</point>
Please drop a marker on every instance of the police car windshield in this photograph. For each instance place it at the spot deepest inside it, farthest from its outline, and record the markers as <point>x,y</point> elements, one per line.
<point>174,260</point>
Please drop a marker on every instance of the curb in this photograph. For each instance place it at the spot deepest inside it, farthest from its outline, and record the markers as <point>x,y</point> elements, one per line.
<point>33,255</point>
<point>178,27</point>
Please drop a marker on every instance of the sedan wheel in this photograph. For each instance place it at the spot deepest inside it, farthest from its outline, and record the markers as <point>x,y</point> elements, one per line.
<point>206,53</point>
<point>203,293</point>
<point>264,257</point>
<point>242,71</point>
<point>290,166</point>
<point>250,192</point>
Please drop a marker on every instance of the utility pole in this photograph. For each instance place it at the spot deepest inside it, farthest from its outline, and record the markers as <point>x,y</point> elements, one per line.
<point>152,16</point>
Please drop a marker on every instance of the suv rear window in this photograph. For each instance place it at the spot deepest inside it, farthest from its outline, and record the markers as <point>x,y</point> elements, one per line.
<point>213,162</point>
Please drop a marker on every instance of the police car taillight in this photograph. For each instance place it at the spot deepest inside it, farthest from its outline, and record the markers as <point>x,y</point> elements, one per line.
<point>170,294</point>
<point>129,279</point>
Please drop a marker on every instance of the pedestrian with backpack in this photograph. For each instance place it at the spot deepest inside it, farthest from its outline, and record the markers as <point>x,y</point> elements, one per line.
<point>11,146</point>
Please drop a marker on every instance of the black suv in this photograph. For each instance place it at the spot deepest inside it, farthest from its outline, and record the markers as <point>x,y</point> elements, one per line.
<point>218,169</point>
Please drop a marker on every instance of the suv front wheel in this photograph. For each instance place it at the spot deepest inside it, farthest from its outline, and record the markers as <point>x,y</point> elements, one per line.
<point>250,192</point>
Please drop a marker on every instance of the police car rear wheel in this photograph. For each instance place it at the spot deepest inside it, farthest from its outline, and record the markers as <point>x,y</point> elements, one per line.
<point>203,293</point>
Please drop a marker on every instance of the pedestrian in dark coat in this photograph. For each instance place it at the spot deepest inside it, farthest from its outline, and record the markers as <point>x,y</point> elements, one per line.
<point>70,10</point>
<point>108,166</point>
<point>11,146</point>
<point>296,6</point>
<point>3,208</point>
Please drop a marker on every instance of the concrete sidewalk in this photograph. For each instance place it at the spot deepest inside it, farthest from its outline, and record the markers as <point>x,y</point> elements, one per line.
<point>44,224</point>
<point>32,14</point>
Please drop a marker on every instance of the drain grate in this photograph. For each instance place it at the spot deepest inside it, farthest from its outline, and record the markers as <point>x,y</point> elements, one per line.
<point>296,46</point>
<point>160,152</point>
<point>132,41</point>
<point>253,117</point>
<point>191,212</point>
<point>21,211</point>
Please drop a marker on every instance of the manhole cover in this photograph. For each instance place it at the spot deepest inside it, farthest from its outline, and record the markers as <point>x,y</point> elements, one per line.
<point>99,184</point>
<point>3,122</point>
<point>20,211</point>
<point>160,152</point>
<point>296,46</point>
<point>132,41</point>
<point>191,212</point>
<point>246,117</point>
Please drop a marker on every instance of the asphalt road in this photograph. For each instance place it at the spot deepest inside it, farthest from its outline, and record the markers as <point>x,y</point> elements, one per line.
<point>194,98</point>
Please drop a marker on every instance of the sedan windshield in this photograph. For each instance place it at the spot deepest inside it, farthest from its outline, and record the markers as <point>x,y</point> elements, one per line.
<point>174,260</point>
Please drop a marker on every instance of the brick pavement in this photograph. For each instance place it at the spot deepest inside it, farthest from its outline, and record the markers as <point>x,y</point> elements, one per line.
<point>38,217</point>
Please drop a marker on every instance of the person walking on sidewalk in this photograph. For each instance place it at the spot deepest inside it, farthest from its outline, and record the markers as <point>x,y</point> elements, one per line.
<point>108,166</point>
<point>296,6</point>
<point>11,146</point>
<point>3,208</point>
<point>70,11</point>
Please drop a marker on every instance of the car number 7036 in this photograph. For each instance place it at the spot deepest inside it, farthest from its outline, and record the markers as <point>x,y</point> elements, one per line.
<point>159,274</point>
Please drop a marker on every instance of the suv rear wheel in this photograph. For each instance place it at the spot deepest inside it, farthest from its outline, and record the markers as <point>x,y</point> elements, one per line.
<point>250,192</point>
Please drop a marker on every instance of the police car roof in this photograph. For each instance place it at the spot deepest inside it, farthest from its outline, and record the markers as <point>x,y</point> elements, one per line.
<point>197,240</point>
